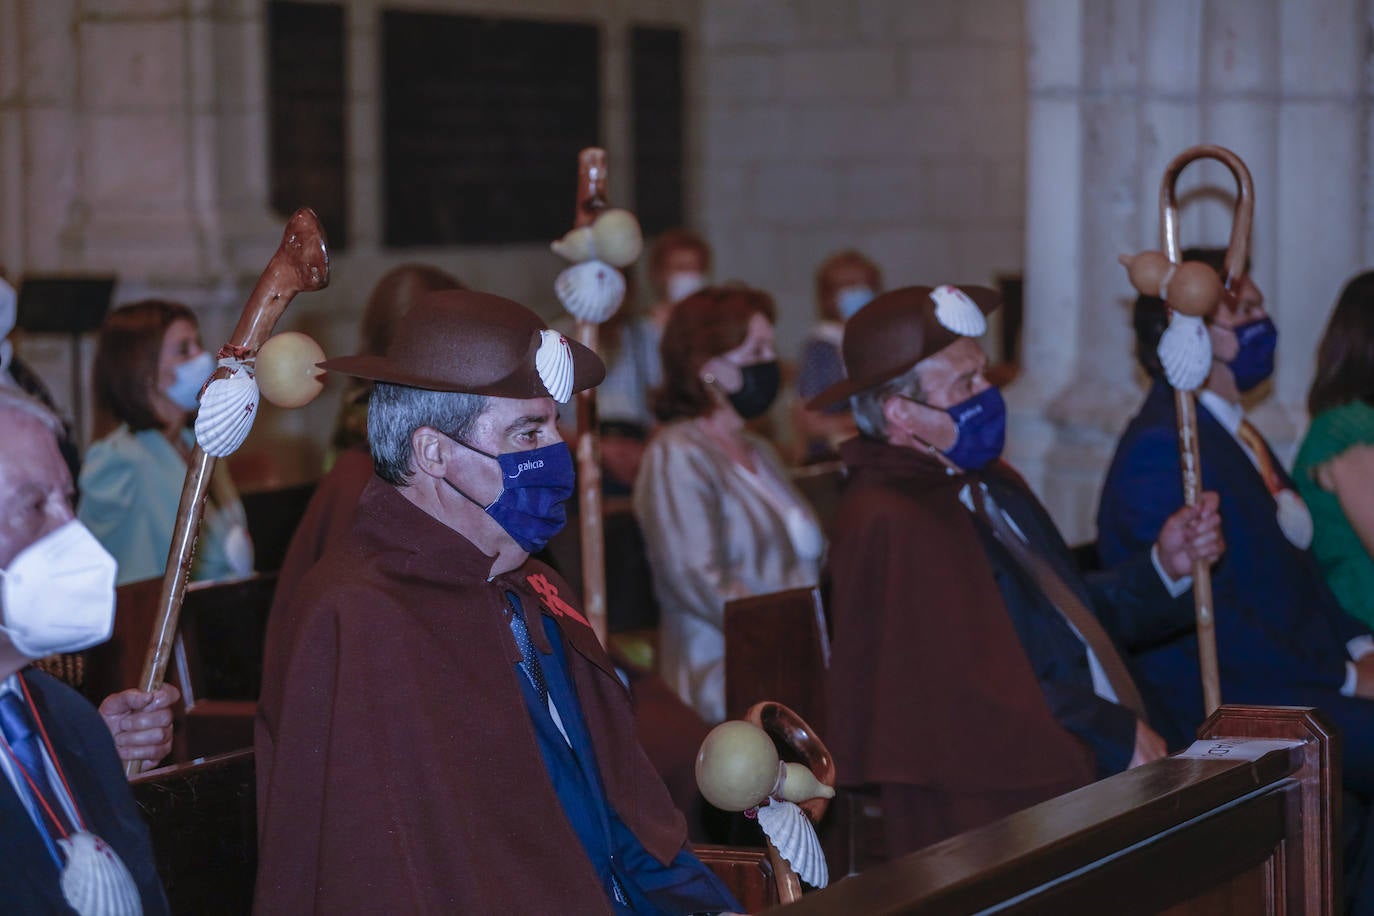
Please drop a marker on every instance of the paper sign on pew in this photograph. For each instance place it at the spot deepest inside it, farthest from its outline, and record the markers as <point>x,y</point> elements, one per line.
<point>1235,748</point>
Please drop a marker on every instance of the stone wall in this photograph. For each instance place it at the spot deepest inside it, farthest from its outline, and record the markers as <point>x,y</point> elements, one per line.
<point>891,126</point>
<point>134,140</point>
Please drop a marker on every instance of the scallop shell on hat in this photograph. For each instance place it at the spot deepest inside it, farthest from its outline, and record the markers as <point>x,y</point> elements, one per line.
<point>1295,520</point>
<point>957,312</point>
<point>554,361</point>
<point>788,829</point>
<point>618,238</point>
<point>1185,352</point>
<point>227,410</point>
<point>577,245</point>
<point>95,881</point>
<point>591,291</point>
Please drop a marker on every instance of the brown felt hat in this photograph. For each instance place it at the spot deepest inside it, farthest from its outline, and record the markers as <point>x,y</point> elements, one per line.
<point>477,343</point>
<point>899,329</point>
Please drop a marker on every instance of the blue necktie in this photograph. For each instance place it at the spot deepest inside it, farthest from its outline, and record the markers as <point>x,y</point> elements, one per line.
<point>24,742</point>
<point>530,656</point>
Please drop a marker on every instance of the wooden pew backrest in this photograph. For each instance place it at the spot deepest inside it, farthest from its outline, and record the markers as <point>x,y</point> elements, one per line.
<point>203,819</point>
<point>777,648</point>
<point>745,871</point>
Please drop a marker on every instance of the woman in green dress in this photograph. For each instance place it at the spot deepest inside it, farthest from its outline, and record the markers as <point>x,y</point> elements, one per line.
<point>1335,466</point>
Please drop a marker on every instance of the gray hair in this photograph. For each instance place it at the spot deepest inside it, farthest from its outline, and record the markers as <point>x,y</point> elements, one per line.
<point>394,412</point>
<point>868,405</point>
<point>15,399</point>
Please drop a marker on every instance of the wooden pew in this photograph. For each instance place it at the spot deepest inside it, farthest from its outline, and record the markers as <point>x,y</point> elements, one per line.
<point>1212,833</point>
<point>777,648</point>
<point>217,663</point>
<point>821,484</point>
<point>1205,835</point>
<point>203,820</point>
<point>273,516</point>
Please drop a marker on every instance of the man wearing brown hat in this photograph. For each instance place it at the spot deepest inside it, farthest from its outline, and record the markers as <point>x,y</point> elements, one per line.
<point>439,728</point>
<point>973,671</point>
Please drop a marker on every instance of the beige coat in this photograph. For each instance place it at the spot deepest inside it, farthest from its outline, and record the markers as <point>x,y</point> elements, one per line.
<point>715,532</point>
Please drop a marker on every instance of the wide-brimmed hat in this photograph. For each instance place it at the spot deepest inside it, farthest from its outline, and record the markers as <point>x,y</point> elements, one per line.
<point>477,343</point>
<point>902,327</point>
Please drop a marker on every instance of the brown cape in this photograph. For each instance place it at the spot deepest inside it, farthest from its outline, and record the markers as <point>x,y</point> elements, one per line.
<point>328,519</point>
<point>398,769</point>
<point>929,684</point>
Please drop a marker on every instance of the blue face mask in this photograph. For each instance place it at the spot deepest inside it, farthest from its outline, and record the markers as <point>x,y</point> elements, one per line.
<point>190,378</point>
<point>1254,360</point>
<point>981,422</point>
<point>534,486</point>
<point>852,298</point>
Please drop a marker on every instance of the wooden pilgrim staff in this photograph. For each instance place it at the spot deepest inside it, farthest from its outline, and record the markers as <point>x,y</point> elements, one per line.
<point>1192,291</point>
<point>228,406</point>
<point>601,241</point>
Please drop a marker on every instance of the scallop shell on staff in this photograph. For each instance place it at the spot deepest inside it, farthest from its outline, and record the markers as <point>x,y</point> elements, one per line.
<point>590,291</point>
<point>1185,352</point>
<point>788,829</point>
<point>227,411</point>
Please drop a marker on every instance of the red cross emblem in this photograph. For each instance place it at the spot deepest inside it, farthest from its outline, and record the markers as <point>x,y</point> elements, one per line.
<point>548,593</point>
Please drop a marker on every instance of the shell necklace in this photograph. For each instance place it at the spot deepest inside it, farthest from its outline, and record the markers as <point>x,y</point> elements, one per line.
<point>95,882</point>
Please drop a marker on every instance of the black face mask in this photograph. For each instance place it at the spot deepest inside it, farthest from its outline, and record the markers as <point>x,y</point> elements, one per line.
<point>758,391</point>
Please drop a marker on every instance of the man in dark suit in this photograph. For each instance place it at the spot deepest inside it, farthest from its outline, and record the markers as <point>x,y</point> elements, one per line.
<point>954,597</point>
<point>68,824</point>
<point>1281,635</point>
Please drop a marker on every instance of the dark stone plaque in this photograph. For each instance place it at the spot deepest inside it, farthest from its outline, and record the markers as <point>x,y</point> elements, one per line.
<point>305,43</point>
<point>656,100</point>
<point>482,122</point>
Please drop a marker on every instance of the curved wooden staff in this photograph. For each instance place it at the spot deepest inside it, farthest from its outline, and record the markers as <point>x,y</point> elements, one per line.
<point>591,200</point>
<point>301,264</point>
<point>1198,293</point>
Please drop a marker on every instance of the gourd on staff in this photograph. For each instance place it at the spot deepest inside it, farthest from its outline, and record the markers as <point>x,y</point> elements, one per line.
<point>603,240</point>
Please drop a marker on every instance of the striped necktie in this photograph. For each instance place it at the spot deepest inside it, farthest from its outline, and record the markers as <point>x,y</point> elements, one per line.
<point>25,744</point>
<point>1255,443</point>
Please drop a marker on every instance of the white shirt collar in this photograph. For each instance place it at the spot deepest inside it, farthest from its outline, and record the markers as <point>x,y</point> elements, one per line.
<point>1229,415</point>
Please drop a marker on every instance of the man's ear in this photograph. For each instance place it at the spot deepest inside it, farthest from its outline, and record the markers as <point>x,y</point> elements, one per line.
<point>429,452</point>
<point>899,414</point>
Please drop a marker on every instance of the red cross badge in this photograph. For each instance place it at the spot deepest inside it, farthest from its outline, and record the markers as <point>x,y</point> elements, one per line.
<point>548,593</point>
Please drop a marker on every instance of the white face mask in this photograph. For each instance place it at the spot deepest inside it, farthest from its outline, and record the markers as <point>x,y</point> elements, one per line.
<point>58,594</point>
<point>191,376</point>
<point>682,284</point>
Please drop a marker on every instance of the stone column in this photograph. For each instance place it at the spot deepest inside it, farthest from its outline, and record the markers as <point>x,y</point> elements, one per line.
<point>1117,88</point>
